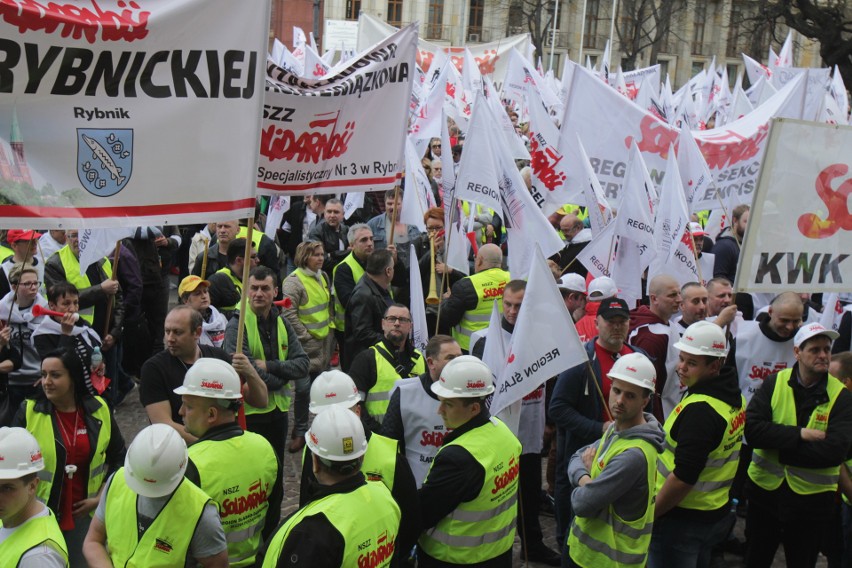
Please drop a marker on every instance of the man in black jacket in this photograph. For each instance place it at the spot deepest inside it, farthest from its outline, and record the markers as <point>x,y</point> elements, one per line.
<point>332,233</point>
<point>367,305</point>
<point>727,247</point>
<point>226,283</point>
<point>800,426</point>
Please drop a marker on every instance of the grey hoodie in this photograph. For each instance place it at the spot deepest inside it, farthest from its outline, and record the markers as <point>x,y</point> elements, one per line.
<point>623,483</point>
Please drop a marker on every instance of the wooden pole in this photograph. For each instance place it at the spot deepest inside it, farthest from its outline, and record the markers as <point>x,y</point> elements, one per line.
<point>598,388</point>
<point>396,200</point>
<point>204,259</point>
<point>445,281</point>
<point>112,299</point>
<point>241,415</point>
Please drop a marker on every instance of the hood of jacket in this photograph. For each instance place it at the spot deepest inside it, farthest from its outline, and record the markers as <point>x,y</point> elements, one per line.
<point>652,432</point>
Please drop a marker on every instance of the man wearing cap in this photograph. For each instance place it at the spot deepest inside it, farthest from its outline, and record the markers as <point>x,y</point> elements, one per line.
<point>599,289</point>
<point>29,534</point>
<point>615,477</point>
<point>799,424</point>
<point>706,260</point>
<point>349,522</point>
<point>247,491</point>
<point>573,290</point>
<point>383,462</point>
<point>151,515</point>
<point>577,405</point>
<point>468,308</point>
<point>195,292</point>
<point>703,438</point>
<point>469,498</point>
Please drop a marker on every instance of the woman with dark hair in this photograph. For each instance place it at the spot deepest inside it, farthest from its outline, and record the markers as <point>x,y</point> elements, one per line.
<point>79,439</point>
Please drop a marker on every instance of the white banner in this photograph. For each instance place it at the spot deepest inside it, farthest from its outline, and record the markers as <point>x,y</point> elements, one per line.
<point>342,133</point>
<point>419,329</point>
<point>112,114</point>
<point>800,225</point>
<point>98,243</point>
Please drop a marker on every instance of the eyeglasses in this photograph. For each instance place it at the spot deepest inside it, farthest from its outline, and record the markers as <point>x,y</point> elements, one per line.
<point>35,284</point>
<point>395,319</point>
<point>436,145</point>
<point>434,229</point>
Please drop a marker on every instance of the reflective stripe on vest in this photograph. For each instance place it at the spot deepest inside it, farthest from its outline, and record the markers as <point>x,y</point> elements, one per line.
<point>314,314</point>
<point>607,539</point>
<point>71,266</point>
<point>243,508</point>
<point>710,492</point>
<point>357,274</point>
<point>424,429</point>
<point>488,286</point>
<point>767,471</point>
<point>166,541</point>
<point>367,519</point>
<point>378,397</point>
<point>33,533</point>
<point>41,426</point>
<point>239,285</point>
<point>380,460</point>
<point>484,527</point>
<point>280,398</point>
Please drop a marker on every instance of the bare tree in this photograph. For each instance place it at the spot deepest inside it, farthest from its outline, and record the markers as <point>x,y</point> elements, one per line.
<point>536,16</point>
<point>645,24</point>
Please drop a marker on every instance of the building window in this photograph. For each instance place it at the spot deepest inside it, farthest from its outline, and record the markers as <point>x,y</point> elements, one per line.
<point>395,12</point>
<point>474,22</point>
<point>434,30</point>
<point>698,21</point>
<point>353,9</point>
<point>590,34</point>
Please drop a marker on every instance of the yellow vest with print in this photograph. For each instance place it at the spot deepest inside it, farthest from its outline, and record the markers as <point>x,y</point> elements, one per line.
<point>71,265</point>
<point>166,542</point>
<point>33,533</point>
<point>483,528</point>
<point>711,490</point>
<point>40,425</point>
<point>280,398</point>
<point>488,285</point>
<point>607,539</point>
<point>367,519</point>
<point>242,493</point>
<point>767,471</point>
<point>315,314</point>
<point>378,398</point>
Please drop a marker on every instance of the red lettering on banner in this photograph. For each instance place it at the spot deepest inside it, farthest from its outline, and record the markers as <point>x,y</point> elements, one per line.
<point>424,59</point>
<point>505,479</point>
<point>458,61</point>
<point>728,147</point>
<point>451,90</point>
<point>836,201</point>
<point>543,162</point>
<point>76,21</point>
<point>282,144</point>
<point>429,438</point>
<point>257,497</point>
<point>319,71</point>
<point>376,557</point>
<point>654,137</point>
<point>487,62</point>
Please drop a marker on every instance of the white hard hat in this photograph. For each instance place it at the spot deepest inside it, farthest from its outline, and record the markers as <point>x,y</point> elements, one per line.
<point>602,287</point>
<point>337,434</point>
<point>20,454</point>
<point>464,377</point>
<point>333,388</point>
<point>703,338</point>
<point>156,461</point>
<point>636,369</point>
<point>211,378</point>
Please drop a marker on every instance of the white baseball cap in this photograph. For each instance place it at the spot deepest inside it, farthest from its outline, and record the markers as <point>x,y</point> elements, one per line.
<point>812,330</point>
<point>697,230</point>
<point>602,287</point>
<point>573,282</point>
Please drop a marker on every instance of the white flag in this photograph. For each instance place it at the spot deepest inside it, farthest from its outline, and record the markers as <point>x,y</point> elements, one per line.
<point>494,355</point>
<point>544,343</point>
<point>599,254</point>
<point>354,201</point>
<point>458,248</point>
<point>635,219</point>
<point>278,205</point>
<point>549,187</point>
<point>698,186</point>
<point>477,180</point>
<point>600,213</point>
<point>417,197</point>
<point>98,243</point>
<point>419,329</point>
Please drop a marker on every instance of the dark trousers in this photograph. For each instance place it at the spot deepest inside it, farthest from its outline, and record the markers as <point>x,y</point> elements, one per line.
<point>273,427</point>
<point>529,527</point>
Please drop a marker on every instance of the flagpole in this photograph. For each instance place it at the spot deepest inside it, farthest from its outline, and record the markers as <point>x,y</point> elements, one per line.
<point>241,417</point>
<point>204,260</point>
<point>598,388</point>
<point>582,33</point>
<point>115,274</point>
<point>611,34</point>
<point>394,216</point>
<point>445,278</point>
<point>553,34</point>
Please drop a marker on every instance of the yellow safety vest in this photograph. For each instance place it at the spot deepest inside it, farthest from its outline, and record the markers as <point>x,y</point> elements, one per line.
<point>767,471</point>
<point>71,265</point>
<point>277,399</point>
<point>378,398</point>
<point>314,314</point>
<point>40,425</point>
<point>483,528</point>
<point>256,237</point>
<point>380,460</point>
<point>242,493</point>
<point>367,519</point>
<point>357,274</point>
<point>488,285</point>
<point>710,492</point>
<point>607,539</point>
<point>237,283</point>
<point>33,533</point>
<point>166,542</point>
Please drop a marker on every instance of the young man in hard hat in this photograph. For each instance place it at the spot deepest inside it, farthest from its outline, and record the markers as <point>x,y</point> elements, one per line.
<point>800,426</point>
<point>703,438</point>
<point>349,522</point>
<point>150,515</point>
<point>469,498</point>
<point>29,534</point>
<point>383,461</point>
<point>237,469</point>
<point>615,478</point>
